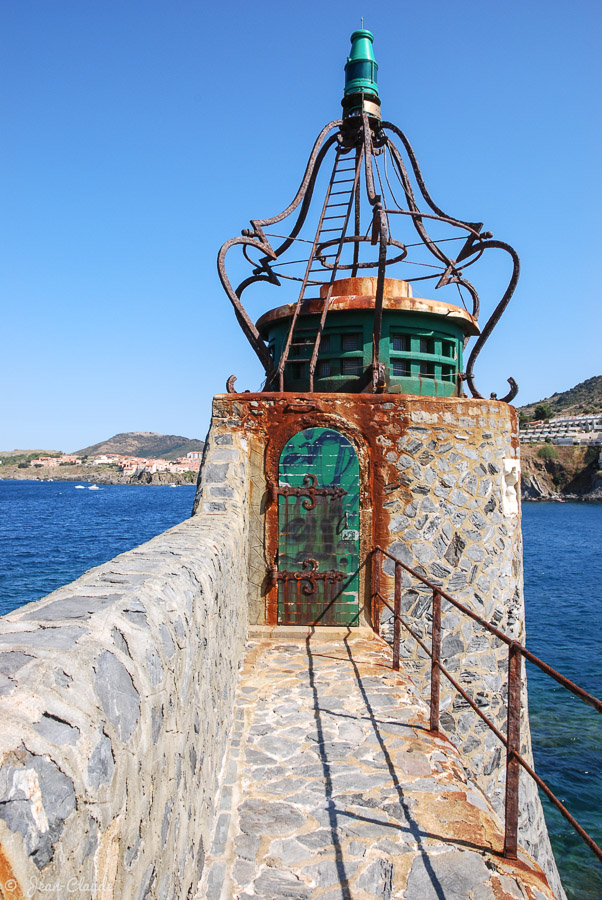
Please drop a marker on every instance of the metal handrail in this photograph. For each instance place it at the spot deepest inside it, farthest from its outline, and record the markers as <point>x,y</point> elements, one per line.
<point>516,651</point>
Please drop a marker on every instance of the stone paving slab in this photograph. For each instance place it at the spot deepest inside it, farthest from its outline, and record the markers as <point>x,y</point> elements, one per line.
<point>335,789</point>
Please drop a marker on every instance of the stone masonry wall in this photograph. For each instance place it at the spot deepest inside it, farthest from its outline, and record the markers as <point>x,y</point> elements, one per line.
<point>237,424</point>
<point>439,489</point>
<point>116,699</point>
<point>460,528</point>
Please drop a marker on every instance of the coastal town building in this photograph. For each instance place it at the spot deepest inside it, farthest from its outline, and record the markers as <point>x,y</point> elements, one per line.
<point>191,462</point>
<point>54,461</point>
<point>564,430</point>
<point>134,466</point>
<point>105,459</point>
<point>129,465</point>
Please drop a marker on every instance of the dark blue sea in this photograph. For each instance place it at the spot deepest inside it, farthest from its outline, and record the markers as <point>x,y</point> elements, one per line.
<point>563,597</point>
<point>51,532</point>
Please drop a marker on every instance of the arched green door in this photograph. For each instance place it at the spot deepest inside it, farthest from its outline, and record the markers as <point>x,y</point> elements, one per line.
<point>318,530</point>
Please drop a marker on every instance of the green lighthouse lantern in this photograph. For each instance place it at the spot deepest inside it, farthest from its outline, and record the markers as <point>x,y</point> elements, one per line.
<point>361,90</point>
<point>376,295</point>
<point>361,67</point>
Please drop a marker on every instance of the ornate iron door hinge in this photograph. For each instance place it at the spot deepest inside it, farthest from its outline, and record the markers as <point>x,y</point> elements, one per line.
<point>310,491</point>
<point>309,575</point>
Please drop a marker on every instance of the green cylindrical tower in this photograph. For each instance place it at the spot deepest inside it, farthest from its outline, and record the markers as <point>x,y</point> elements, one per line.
<point>421,343</point>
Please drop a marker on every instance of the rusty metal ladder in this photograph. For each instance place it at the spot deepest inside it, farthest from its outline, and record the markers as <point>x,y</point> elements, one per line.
<point>339,194</point>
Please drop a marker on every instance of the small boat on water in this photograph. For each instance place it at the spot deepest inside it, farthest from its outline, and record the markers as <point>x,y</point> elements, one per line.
<point>80,487</point>
<point>93,487</point>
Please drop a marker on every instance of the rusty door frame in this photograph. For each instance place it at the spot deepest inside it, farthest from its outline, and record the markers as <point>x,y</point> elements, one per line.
<point>275,445</point>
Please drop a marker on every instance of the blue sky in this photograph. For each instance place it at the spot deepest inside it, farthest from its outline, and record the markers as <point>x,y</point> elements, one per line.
<point>139,136</point>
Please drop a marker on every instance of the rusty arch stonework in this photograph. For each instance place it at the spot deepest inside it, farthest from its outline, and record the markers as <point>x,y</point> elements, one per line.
<point>289,426</point>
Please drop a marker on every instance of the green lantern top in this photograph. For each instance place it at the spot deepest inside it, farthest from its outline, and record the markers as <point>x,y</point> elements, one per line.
<point>361,67</point>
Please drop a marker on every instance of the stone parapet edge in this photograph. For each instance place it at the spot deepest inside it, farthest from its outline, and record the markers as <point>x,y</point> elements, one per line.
<point>116,696</point>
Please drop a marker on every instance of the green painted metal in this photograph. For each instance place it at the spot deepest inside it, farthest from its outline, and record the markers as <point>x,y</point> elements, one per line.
<point>328,533</point>
<point>361,68</point>
<point>422,353</point>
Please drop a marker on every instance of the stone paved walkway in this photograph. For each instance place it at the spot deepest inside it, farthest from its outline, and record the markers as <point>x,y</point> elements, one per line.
<point>334,789</point>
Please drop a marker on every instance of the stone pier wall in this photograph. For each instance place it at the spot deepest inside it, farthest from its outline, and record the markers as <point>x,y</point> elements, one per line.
<point>439,488</point>
<point>116,699</point>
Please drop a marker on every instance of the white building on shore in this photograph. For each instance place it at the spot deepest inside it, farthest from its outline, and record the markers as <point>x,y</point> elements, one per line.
<point>564,430</point>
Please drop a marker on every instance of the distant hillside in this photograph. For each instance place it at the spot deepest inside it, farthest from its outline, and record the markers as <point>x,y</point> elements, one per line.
<point>585,397</point>
<point>4,453</point>
<point>146,444</point>
<point>14,457</point>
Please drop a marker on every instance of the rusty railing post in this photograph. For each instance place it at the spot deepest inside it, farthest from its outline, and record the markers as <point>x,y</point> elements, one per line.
<point>376,569</point>
<point>435,670</point>
<point>397,616</point>
<point>512,749</point>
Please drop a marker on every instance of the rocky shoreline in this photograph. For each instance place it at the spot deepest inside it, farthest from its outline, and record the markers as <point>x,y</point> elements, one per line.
<point>87,473</point>
<point>575,473</point>
<point>552,472</point>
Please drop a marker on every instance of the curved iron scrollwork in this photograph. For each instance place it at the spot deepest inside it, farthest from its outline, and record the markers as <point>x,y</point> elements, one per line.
<point>379,165</point>
<point>492,322</point>
<point>256,237</point>
<point>308,577</point>
<point>310,491</point>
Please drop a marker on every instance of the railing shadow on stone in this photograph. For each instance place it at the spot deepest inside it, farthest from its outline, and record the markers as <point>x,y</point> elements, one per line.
<point>516,652</point>
<point>413,826</point>
<point>332,815</point>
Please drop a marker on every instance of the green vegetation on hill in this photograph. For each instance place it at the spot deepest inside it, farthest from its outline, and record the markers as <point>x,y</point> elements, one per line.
<point>548,451</point>
<point>585,397</point>
<point>146,444</point>
<point>14,457</point>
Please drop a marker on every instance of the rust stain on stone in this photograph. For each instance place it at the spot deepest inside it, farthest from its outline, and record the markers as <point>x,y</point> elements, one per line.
<point>9,886</point>
<point>375,424</point>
